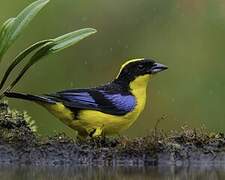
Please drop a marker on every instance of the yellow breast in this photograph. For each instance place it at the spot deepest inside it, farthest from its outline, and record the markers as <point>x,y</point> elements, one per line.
<point>138,89</point>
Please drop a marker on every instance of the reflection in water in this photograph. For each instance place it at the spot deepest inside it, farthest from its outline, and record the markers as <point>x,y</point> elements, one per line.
<point>125,173</point>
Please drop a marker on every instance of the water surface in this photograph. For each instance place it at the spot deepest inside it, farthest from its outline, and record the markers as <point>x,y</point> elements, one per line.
<point>113,173</point>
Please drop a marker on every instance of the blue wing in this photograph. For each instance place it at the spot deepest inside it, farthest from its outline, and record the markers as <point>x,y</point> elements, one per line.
<point>100,100</point>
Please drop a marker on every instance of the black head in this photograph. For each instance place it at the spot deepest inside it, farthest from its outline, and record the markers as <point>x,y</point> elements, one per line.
<point>139,67</point>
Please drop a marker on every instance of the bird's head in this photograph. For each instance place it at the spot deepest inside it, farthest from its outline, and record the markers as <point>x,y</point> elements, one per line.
<point>135,68</point>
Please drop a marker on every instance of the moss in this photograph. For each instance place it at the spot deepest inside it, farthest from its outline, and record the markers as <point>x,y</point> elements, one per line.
<point>20,144</point>
<point>15,127</point>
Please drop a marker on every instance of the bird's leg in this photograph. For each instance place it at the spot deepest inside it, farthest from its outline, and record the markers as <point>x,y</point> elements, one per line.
<point>96,132</point>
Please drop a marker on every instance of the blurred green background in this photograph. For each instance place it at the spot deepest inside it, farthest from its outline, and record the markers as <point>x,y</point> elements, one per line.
<point>186,35</point>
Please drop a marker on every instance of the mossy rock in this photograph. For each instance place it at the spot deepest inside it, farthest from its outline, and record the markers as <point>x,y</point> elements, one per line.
<point>20,144</point>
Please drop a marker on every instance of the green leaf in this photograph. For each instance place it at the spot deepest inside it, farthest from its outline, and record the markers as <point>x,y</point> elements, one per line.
<point>20,57</point>
<point>13,27</point>
<point>5,26</point>
<point>35,58</point>
<point>52,46</point>
<point>70,39</point>
<point>4,35</point>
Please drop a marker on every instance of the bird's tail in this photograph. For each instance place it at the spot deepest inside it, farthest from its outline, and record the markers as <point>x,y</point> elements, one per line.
<point>29,97</point>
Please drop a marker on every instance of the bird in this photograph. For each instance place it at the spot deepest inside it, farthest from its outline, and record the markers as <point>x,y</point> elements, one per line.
<point>104,110</point>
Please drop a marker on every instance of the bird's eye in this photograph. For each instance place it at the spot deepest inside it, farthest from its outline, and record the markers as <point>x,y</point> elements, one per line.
<point>141,66</point>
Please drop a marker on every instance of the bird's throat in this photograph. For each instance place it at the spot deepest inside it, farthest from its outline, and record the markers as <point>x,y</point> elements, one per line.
<point>138,88</point>
<point>140,83</point>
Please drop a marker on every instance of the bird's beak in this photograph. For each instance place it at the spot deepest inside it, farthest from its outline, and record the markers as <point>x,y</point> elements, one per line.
<point>157,67</point>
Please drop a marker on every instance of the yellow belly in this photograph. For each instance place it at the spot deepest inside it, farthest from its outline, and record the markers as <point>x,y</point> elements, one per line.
<point>89,120</point>
<point>108,124</point>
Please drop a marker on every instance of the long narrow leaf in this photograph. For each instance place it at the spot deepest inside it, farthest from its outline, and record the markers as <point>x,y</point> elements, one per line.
<point>19,58</point>
<point>4,35</point>
<point>70,39</point>
<point>43,51</point>
<point>4,27</point>
<point>54,46</point>
<point>19,24</point>
<point>26,16</point>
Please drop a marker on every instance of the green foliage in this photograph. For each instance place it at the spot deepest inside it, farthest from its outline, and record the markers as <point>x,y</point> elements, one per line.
<point>19,58</point>
<point>16,126</point>
<point>13,27</point>
<point>70,39</point>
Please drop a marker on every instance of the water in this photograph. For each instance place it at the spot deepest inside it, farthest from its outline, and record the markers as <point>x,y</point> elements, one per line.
<point>124,173</point>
